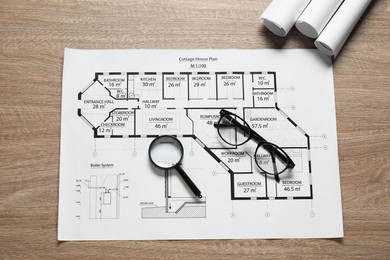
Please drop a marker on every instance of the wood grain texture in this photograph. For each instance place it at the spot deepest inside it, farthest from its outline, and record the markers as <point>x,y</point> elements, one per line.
<point>33,35</point>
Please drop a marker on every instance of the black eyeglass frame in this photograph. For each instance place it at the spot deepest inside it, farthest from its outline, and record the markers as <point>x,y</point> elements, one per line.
<point>272,148</point>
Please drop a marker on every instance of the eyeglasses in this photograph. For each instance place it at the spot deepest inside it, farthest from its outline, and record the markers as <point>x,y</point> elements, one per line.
<point>270,158</point>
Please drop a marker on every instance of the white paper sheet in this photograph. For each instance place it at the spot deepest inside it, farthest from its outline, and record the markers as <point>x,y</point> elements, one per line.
<point>281,15</point>
<point>316,15</point>
<point>336,32</point>
<point>115,102</point>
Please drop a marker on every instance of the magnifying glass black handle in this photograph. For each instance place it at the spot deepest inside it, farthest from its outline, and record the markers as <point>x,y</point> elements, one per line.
<point>189,182</point>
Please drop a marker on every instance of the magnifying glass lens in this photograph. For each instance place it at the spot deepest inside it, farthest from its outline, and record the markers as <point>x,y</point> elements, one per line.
<point>166,152</point>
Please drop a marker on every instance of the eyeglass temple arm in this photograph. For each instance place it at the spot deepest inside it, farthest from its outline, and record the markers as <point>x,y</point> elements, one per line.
<point>277,179</point>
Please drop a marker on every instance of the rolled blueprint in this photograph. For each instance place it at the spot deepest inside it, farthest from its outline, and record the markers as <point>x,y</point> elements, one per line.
<point>336,32</point>
<point>281,15</point>
<point>316,15</point>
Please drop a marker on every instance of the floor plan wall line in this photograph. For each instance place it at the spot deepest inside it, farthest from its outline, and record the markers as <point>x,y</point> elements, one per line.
<point>187,104</point>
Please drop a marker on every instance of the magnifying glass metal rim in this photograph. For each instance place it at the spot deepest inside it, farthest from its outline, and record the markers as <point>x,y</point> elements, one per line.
<point>164,136</point>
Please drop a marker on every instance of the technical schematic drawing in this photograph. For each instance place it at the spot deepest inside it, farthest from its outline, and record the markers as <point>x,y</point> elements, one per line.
<point>104,198</point>
<point>176,205</point>
<point>102,195</point>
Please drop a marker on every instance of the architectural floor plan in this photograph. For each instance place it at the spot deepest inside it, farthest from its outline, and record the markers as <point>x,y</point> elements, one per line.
<point>115,103</point>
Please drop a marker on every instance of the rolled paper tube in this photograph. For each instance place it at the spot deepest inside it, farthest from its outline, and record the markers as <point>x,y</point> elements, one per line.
<point>281,15</point>
<point>316,15</point>
<point>336,32</point>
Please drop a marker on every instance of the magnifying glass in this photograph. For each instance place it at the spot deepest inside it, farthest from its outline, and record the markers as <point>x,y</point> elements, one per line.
<point>166,152</point>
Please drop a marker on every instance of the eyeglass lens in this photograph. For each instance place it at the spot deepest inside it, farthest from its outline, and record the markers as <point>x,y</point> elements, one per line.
<point>233,130</point>
<point>268,159</point>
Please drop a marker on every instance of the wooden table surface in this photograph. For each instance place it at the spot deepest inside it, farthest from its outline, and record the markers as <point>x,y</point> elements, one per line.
<point>33,35</point>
